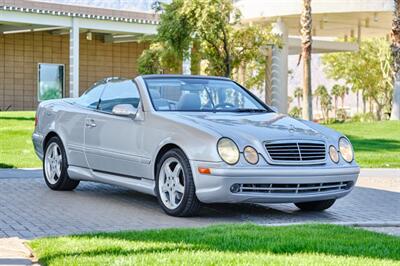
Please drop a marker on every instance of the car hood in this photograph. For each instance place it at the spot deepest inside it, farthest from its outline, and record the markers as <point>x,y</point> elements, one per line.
<point>263,127</point>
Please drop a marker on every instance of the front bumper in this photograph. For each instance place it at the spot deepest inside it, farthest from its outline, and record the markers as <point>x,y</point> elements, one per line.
<point>272,184</point>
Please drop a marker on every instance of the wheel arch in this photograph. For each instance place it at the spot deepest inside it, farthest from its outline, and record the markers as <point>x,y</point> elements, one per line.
<point>48,137</point>
<point>163,150</point>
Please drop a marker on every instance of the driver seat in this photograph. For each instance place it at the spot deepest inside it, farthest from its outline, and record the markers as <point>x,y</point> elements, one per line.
<point>189,102</point>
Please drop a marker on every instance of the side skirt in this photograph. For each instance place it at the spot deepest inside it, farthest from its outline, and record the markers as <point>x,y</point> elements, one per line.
<point>136,183</point>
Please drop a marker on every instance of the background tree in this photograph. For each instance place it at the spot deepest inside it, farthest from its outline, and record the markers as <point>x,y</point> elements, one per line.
<point>376,83</point>
<point>319,93</point>
<point>214,27</point>
<point>306,41</point>
<point>159,59</point>
<point>343,91</point>
<point>395,49</point>
<point>324,100</point>
<point>336,94</point>
<point>326,105</point>
<point>298,94</point>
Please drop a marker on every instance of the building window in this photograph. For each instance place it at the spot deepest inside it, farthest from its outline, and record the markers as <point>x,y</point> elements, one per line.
<point>50,81</point>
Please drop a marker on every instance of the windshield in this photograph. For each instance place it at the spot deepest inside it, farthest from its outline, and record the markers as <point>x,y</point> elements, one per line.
<point>201,95</point>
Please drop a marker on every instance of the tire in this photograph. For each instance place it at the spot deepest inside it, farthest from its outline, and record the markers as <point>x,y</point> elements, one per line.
<point>315,205</point>
<point>169,187</point>
<point>55,167</point>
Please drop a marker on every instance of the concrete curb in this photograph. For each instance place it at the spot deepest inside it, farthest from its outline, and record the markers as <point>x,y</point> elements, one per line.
<point>377,172</point>
<point>21,173</point>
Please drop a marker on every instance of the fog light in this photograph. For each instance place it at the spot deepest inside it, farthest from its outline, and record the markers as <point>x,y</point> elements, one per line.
<point>235,188</point>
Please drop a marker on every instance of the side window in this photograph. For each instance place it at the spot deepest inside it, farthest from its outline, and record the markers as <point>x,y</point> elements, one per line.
<point>90,98</point>
<point>121,92</point>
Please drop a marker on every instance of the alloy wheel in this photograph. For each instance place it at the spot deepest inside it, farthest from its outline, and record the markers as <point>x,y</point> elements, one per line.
<point>171,183</point>
<point>53,163</point>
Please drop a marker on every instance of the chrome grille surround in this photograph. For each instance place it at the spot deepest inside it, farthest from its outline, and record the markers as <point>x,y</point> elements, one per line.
<point>296,152</point>
<point>307,188</point>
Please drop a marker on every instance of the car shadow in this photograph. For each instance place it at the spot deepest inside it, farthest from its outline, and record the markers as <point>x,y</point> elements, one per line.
<point>361,205</point>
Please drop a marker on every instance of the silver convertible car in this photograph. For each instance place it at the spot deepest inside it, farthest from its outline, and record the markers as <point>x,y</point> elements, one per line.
<point>189,140</point>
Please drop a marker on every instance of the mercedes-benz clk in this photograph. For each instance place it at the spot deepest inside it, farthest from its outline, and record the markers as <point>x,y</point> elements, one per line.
<point>189,140</point>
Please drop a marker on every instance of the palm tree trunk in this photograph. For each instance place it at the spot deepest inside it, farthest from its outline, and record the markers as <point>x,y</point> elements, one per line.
<point>395,46</point>
<point>306,41</point>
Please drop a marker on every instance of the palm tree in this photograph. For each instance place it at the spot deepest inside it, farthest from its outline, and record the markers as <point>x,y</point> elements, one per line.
<point>326,105</point>
<point>343,91</point>
<point>395,46</point>
<point>336,94</point>
<point>298,94</point>
<point>306,41</point>
<point>319,93</point>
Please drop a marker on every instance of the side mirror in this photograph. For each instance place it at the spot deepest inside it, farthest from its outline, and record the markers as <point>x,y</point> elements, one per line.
<point>125,110</point>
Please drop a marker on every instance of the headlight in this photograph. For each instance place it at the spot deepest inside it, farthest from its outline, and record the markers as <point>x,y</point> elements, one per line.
<point>251,155</point>
<point>346,150</point>
<point>228,151</point>
<point>333,154</point>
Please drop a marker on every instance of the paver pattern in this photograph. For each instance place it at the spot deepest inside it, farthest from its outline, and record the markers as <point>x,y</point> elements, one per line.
<point>28,209</point>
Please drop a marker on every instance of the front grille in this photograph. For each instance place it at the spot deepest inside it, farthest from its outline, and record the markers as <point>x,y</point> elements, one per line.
<point>295,188</point>
<point>296,151</point>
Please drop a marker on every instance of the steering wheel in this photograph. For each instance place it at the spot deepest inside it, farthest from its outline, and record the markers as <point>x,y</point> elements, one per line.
<point>225,105</point>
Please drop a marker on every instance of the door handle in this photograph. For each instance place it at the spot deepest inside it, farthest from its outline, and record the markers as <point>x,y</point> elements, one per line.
<point>90,123</point>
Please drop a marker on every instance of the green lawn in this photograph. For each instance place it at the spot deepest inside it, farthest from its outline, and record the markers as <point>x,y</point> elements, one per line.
<point>376,144</point>
<point>16,149</point>
<point>224,245</point>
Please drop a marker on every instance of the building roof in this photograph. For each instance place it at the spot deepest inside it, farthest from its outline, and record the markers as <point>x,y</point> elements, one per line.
<point>372,18</point>
<point>89,12</point>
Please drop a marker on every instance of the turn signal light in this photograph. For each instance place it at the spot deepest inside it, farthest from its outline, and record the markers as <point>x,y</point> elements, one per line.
<point>204,171</point>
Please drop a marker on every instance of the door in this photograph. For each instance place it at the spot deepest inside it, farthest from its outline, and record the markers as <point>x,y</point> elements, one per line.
<point>113,144</point>
<point>74,124</point>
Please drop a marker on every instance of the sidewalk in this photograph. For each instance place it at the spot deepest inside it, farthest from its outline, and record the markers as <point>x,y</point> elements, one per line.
<point>14,252</point>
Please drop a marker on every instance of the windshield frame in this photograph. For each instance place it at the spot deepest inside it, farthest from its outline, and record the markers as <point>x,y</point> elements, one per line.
<point>245,91</point>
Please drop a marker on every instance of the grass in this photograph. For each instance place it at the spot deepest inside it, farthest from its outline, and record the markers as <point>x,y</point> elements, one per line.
<point>376,144</point>
<point>16,149</point>
<point>244,244</point>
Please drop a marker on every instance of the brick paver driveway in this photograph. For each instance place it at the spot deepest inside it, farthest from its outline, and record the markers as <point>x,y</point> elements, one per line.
<point>29,209</point>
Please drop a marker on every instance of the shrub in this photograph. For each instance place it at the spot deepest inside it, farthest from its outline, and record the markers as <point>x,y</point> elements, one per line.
<point>367,117</point>
<point>341,115</point>
<point>295,112</point>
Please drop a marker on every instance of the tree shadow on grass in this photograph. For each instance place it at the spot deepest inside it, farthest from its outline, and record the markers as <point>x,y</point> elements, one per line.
<point>4,165</point>
<point>20,118</point>
<point>305,239</point>
<point>374,145</point>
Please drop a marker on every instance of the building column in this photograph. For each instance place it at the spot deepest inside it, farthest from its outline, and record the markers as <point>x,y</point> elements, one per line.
<point>74,59</point>
<point>279,69</point>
